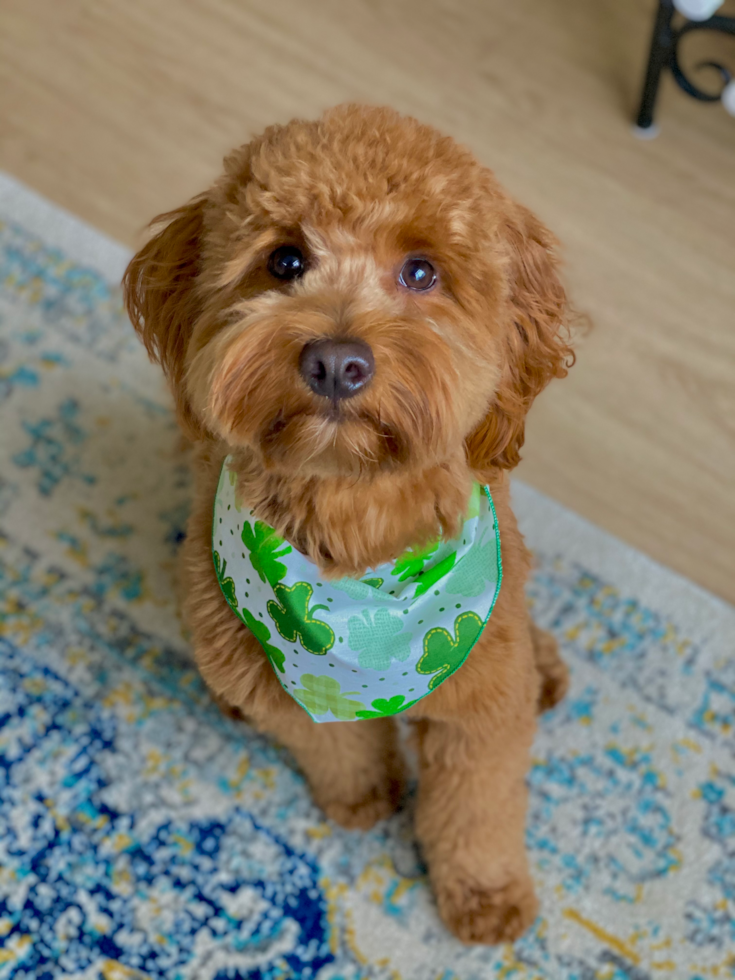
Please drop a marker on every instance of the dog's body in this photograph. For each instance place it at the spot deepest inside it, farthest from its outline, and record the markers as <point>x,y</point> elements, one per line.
<point>359,315</point>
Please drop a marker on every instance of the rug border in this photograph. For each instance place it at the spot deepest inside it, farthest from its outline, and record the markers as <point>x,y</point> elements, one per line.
<point>554,530</point>
<point>60,229</point>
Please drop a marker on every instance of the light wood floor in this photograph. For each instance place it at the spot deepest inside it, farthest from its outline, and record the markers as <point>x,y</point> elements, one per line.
<point>118,109</point>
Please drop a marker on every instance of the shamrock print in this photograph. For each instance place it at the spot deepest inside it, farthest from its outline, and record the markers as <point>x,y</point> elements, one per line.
<point>322,694</point>
<point>378,638</point>
<point>411,563</point>
<point>259,630</point>
<point>428,578</point>
<point>382,707</point>
<point>265,549</point>
<point>362,590</point>
<point>478,567</point>
<point>293,618</point>
<point>262,634</point>
<point>226,584</point>
<point>442,653</point>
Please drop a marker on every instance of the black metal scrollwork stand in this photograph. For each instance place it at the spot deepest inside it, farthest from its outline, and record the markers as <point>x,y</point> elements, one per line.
<point>664,54</point>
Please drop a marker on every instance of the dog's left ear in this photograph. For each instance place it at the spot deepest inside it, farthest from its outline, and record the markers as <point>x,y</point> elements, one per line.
<point>161,297</point>
<point>536,342</point>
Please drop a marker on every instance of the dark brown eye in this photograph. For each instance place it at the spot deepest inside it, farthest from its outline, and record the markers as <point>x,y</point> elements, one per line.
<point>417,274</point>
<point>287,262</point>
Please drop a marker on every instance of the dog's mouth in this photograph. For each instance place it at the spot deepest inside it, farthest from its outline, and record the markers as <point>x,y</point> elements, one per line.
<point>333,412</point>
<point>333,437</point>
<point>406,416</point>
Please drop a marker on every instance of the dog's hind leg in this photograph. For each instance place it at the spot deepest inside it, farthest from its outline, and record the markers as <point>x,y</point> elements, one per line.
<point>552,670</point>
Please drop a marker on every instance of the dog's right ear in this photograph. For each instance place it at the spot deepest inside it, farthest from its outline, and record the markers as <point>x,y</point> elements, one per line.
<point>161,296</point>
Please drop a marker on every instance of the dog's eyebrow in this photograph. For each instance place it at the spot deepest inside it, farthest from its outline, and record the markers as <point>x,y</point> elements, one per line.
<point>320,246</point>
<point>236,267</point>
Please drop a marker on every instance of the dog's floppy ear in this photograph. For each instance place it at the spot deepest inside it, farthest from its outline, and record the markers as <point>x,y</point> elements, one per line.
<point>536,340</point>
<point>161,298</point>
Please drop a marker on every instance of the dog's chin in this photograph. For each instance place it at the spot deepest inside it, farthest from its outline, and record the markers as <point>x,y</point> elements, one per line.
<point>330,443</point>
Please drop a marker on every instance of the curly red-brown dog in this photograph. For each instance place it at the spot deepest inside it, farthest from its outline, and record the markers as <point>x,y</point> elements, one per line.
<point>354,320</point>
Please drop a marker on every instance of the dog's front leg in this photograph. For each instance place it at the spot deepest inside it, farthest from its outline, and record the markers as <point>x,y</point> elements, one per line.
<point>471,820</point>
<point>355,769</point>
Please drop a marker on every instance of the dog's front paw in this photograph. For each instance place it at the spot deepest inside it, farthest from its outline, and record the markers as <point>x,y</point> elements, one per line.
<point>379,804</point>
<point>359,816</point>
<point>492,915</point>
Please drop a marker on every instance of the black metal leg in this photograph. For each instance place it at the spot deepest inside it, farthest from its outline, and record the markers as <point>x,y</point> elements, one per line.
<point>658,59</point>
<point>664,55</point>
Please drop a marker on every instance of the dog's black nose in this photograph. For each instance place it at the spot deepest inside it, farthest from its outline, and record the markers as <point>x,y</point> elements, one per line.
<point>337,368</point>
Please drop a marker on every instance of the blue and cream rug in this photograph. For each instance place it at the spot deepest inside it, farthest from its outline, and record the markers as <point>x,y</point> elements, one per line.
<point>142,834</point>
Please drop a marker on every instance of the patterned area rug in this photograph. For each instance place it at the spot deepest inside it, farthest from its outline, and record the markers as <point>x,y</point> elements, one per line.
<point>142,834</point>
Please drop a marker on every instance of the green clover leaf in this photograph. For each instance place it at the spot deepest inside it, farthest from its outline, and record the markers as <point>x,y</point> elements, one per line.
<point>292,617</point>
<point>430,576</point>
<point>442,653</point>
<point>411,563</point>
<point>263,544</point>
<point>262,634</point>
<point>379,638</point>
<point>226,584</point>
<point>322,694</point>
<point>383,707</point>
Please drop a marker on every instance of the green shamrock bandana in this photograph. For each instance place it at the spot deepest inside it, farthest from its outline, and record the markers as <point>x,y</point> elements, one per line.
<point>358,648</point>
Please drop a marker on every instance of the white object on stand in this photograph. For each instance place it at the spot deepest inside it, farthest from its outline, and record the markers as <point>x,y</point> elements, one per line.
<point>728,98</point>
<point>697,9</point>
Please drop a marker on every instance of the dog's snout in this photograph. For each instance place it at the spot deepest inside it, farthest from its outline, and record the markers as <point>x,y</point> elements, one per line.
<point>337,369</point>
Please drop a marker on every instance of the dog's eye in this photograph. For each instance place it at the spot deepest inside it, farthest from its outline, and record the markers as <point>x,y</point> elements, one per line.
<point>417,274</point>
<point>287,262</point>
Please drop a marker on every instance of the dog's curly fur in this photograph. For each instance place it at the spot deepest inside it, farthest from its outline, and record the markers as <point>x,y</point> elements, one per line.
<point>456,370</point>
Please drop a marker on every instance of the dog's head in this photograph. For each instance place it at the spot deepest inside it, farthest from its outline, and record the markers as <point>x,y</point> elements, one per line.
<point>353,295</point>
